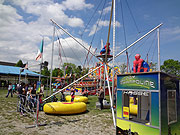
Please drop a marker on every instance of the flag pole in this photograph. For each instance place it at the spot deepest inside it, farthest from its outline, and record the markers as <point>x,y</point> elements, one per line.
<point>42,42</point>
<point>37,106</point>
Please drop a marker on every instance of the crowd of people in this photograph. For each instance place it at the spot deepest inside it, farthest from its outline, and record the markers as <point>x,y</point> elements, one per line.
<point>27,94</point>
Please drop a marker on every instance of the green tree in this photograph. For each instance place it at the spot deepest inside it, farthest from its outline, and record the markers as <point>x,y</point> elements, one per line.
<point>78,72</point>
<point>45,72</point>
<point>19,63</point>
<point>69,68</point>
<point>57,72</point>
<point>85,71</point>
<point>171,67</point>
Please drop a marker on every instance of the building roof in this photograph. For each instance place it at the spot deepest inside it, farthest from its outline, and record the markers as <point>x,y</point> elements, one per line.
<point>16,71</point>
<point>7,63</point>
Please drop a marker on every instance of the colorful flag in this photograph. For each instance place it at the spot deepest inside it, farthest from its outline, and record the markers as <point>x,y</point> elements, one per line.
<point>39,55</point>
<point>38,87</point>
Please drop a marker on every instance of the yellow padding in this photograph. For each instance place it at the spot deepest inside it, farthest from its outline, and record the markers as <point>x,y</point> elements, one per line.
<point>77,99</point>
<point>64,107</point>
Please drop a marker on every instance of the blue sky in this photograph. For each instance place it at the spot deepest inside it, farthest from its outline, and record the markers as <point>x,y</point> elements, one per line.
<point>24,23</point>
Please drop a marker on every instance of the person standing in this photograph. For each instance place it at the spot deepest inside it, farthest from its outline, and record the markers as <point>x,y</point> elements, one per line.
<point>42,89</point>
<point>14,88</point>
<point>22,96</point>
<point>41,104</point>
<point>101,97</point>
<point>9,90</point>
<point>85,92</point>
<point>62,96</point>
<point>72,94</point>
<point>32,94</point>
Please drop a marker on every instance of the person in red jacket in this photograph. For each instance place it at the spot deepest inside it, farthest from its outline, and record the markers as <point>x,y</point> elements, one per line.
<point>72,94</point>
<point>41,104</point>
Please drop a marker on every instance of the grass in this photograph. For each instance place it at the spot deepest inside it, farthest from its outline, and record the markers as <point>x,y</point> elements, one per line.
<point>14,123</point>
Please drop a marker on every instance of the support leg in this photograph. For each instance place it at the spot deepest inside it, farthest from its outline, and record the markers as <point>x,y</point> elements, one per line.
<point>112,109</point>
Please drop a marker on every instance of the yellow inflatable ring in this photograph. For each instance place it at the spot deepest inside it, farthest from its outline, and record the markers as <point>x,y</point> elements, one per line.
<point>64,107</point>
<point>77,99</point>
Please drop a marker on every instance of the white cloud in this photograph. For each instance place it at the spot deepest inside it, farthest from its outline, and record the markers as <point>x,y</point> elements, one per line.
<point>74,53</point>
<point>55,11</point>
<point>93,30</point>
<point>75,22</point>
<point>21,39</point>
<point>8,15</point>
<point>76,4</point>
<point>171,34</point>
<point>106,10</point>
<point>24,4</point>
<point>14,33</point>
<point>106,23</point>
<point>102,24</point>
<point>1,1</point>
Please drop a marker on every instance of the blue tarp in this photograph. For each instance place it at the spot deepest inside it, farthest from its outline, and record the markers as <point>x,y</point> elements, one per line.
<point>15,71</point>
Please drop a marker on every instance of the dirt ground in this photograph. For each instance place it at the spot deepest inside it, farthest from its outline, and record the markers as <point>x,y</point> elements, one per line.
<point>92,122</point>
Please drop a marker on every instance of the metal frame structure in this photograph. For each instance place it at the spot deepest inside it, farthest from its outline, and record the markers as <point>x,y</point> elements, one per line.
<point>105,61</point>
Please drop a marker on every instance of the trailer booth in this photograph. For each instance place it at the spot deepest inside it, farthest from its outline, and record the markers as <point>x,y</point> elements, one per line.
<point>147,104</point>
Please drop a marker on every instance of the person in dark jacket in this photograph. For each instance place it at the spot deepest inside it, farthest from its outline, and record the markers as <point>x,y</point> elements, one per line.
<point>22,96</point>
<point>101,97</point>
<point>9,90</point>
<point>62,96</point>
<point>85,92</point>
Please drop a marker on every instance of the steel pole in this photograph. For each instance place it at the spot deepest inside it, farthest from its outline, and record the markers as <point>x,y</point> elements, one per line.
<point>114,27</point>
<point>112,109</point>
<point>41,63</point>
<point>52,58</point>
<point>137,41</point>
<point>104,81</point>
<point>74,39</point>
<point>19,76</point>
<point>158,36</point>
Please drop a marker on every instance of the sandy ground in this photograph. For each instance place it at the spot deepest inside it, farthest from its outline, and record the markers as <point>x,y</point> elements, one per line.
<point>93,122</point>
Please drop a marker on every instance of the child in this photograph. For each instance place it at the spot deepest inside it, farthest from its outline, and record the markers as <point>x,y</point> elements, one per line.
<point>72,94</point>
<point>40,103</point>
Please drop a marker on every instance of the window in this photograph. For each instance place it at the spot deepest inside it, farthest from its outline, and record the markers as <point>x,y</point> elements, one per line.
<point>172,110</point>
<point>136,106</point>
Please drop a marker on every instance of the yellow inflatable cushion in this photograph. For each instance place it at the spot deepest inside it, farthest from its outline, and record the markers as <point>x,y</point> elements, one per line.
<point>64,107</point>
<point>77,99</point>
